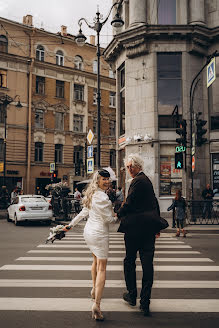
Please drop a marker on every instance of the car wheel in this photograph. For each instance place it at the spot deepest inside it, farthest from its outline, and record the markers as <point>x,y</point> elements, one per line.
<point>48,222</point>
<point>16,222</point>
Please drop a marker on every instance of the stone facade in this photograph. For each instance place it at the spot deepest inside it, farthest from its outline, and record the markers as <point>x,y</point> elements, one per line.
<point>45,69</point>
<point>189,30</point>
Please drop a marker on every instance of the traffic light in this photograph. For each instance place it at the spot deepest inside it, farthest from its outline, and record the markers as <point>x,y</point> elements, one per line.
<point>200,132</point>
<point>179,161</point>
<point>181,130</point>
<point>54,176</point>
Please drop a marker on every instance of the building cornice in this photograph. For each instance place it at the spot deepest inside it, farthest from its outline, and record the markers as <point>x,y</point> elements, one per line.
<point>136,41</point>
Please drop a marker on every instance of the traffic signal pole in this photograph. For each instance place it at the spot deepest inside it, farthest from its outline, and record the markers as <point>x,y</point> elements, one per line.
<point>191,97</point>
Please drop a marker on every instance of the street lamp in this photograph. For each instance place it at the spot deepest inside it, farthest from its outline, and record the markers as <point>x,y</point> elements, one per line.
<point>80,40</point>
<point>5,100</point>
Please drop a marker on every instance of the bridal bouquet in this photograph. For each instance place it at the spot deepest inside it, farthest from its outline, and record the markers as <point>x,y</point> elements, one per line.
<point>56,233</point>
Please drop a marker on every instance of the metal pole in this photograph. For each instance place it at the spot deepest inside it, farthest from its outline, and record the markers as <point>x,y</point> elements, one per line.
<point>5,126</point>
<point>98,90</point>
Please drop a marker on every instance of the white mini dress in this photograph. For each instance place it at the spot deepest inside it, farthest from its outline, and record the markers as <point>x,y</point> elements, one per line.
<point>96,230</point>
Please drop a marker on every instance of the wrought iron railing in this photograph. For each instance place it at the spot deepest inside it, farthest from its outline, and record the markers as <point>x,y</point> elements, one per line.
<point>202,212</point>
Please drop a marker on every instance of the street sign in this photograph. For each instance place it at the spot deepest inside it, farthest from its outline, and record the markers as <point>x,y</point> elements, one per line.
<point>90,165</point>
<point>1,166</point>
<point>211,72</point>
<point>193,163</point>
<point>90,136</point>
<point>52,167</point>
<point>90,150</point>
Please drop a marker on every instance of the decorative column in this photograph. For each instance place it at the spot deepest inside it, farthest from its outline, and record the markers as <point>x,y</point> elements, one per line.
<point>137,12</point>
<point>197,12</point>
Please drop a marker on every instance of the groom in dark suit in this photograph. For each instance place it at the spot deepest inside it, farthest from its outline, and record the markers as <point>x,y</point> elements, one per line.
<point>137,217</point>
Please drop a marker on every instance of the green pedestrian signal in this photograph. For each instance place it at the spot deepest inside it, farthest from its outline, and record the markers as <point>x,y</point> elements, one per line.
<point>179,161</point>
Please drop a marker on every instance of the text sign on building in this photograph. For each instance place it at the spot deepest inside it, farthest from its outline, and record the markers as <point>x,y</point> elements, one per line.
<point>52,167</point>
<point>90,136</point>
<point>90,165</point>
<point>211,72</point>
<point>90,151</point>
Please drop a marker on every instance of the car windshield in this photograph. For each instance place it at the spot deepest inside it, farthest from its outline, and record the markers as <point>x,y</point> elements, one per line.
<point>32,199</point>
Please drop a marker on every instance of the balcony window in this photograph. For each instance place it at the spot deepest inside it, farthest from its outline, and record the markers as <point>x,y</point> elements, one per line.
<point>78,92</point>
<point>40,85</point>
<point>39,118</point>
<point>40,52</point>
<point>59,58</point>
<point>39,151</point>
<point>3,43</point>
<point>78,123</point>
<point>3,79</point>
<point>60,85</point>
<point>59,121</point>
<point>58,153</point>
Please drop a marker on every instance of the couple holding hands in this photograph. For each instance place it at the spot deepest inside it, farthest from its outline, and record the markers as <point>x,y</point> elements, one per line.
<point>139,221</point>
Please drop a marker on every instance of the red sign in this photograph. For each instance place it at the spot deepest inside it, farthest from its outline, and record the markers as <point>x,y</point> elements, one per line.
<point>193,163</point>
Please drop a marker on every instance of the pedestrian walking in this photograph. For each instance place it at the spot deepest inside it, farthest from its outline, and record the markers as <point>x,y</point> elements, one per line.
<point>139,217</point>
<point>98,208</point>
<point>179,206</point>
<point>207,195</point>
<point>77,199</point>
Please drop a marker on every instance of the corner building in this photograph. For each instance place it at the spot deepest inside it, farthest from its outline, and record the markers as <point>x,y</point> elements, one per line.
<point>156,54</point>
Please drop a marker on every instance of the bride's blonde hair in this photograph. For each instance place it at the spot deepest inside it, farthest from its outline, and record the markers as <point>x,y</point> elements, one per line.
<point>91,189</point>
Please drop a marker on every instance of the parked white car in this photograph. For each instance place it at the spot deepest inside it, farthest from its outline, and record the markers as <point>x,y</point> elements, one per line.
<point>30,208</point>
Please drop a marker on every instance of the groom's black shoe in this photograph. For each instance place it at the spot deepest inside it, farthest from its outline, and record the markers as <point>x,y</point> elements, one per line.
<point>146,310</point>
<point>129,299</point>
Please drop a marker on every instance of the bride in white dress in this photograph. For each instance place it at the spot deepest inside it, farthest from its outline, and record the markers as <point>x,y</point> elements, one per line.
<point>98,208</point>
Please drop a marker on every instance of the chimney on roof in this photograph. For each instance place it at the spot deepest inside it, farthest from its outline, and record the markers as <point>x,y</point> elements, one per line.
<point>92,40</point>
<point>63,30</point>
<point>28,20</point>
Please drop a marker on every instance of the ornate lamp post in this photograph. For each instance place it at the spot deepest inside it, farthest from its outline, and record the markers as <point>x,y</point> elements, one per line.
<point>5,100</point>
<point>80,40</point>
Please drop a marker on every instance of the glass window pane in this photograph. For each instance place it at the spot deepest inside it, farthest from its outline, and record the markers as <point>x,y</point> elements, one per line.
<point>169,94</point>
<point>167,12</point>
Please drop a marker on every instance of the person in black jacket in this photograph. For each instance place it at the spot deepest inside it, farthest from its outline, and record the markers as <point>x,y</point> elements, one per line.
<point>207,195</point>
<point>138,221</point>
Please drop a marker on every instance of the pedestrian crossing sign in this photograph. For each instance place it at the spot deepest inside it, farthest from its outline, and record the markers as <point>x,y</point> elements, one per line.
<point>211,72</point>
<point>90,165</point>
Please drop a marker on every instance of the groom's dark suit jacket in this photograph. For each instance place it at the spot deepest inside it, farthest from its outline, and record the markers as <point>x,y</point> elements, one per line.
<point>140,213</point>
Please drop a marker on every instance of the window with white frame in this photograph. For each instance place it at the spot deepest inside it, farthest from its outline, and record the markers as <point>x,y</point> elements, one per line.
<point>78,62</point>
<point>3,43</point>
<point>39,151</point>
<point>3,78</point>
<point>40,85</point>
<point>78,92</point>
<point>167,12</point>
<point>95,66</point>
<point>59,121</point>
<point>95,96</point>
<point>58,153</point>
<point>39,118</point>
<point>78,123</point>
<point>59,58</point>
<point>40,53</point>
<point>112,99</point>
<point>60,86</point>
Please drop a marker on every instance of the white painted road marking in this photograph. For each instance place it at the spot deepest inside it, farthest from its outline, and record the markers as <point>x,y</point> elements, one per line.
<point>111,259</point>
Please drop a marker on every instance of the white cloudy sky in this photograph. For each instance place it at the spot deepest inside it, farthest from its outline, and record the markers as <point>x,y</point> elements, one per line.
<point>51,14</point>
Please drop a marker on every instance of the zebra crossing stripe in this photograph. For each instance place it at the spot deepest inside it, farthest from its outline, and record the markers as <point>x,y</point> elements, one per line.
<point>115,305</point>
<point>81,242</point>
<point>61,245</point>
<point>41,283</point>
<point>168,268</point>
<point>58,251</point>
<point>111,259</point>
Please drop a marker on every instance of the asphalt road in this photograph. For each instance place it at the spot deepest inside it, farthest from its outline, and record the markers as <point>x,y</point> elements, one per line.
<point>49,285</point>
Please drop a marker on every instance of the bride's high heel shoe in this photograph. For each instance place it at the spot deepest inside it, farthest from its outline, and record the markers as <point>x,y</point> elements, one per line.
<point>92,293</point>
<point>96,313</point>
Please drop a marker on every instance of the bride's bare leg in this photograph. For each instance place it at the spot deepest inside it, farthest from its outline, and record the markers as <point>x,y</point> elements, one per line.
<point>100,280</point>
<point>94,275</point>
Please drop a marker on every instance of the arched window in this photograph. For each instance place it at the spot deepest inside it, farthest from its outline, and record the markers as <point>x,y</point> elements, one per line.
<point>79,62</point>
<point>95,66</point>
<point>40,52</point>
<point>3,43</point>
<point>59,58</point>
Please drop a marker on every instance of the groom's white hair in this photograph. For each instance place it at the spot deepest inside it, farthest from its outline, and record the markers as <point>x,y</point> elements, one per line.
<point>135,160</point>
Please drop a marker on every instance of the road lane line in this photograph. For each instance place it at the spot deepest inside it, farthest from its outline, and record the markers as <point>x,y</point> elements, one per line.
<point>58,251</point>
<point>111,259</point>
<point>61,245</point>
